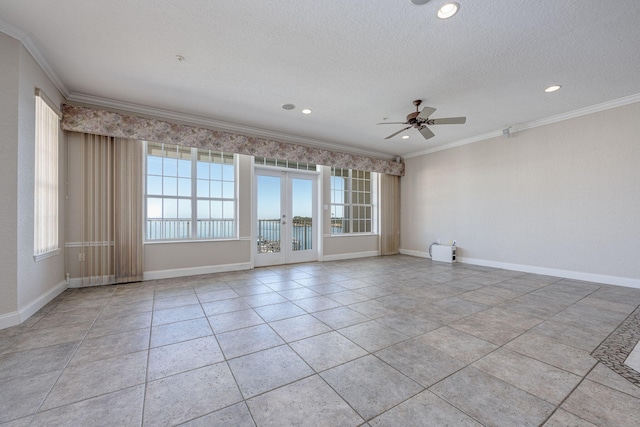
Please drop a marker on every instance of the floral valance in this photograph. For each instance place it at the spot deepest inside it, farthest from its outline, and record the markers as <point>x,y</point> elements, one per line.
<point>107,123</point>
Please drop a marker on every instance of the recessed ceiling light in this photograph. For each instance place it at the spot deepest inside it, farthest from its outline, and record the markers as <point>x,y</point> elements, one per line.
<point>288,106</point>
<point>552,88</point>
<point>405,137</point>
<point>306,111</point>
<point>448,10</point>
<point>419,2</point>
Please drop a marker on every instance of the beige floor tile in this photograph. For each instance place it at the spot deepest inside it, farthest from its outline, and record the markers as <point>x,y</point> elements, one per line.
<point>539,379</point>
<point>183,356</point>
<point>613,407</point>
<point>96,378</point>
<point>237,415</point>
<point>300,327</point>
<point>308,402</point>
<point>183,397</point>
<point>325,351</point>
<point>120,408</point>
<point>365,384</point>
<point>424,409</point>
<point>265,370</point>
<point>492,401</point>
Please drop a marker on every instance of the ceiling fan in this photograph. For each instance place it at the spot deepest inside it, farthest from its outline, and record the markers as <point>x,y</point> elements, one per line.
<point>420,120</point>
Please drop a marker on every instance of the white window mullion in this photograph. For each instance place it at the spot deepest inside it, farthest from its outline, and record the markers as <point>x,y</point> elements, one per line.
<point>194,195</point>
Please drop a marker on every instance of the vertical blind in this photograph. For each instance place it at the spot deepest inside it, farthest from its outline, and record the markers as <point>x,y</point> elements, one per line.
<point>112,210</point>
<point>45,177</point>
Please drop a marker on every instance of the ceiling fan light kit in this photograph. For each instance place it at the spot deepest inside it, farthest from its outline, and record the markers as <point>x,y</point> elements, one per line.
<point>420,119</point>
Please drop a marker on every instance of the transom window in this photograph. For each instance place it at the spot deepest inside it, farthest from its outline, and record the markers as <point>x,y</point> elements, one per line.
<point>351,201</point>
<point>190,193</point>
<point>281,163</point>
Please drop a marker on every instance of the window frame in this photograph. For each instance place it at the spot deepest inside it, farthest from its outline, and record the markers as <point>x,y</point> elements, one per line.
<point>193,198</point>
<point>349,204</point>
<point>46,191</point>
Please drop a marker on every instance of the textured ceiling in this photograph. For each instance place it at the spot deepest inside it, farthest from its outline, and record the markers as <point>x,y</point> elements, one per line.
<point>352,62</point>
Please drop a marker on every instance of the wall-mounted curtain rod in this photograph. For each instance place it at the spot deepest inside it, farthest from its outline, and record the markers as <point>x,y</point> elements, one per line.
<point>101,122</point>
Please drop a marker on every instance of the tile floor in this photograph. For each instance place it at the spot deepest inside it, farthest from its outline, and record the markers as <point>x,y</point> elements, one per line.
<point>392,341</point>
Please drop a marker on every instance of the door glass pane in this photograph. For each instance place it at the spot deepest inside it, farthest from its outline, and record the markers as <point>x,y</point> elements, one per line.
<point>268,214</point>
<point>301,208</point>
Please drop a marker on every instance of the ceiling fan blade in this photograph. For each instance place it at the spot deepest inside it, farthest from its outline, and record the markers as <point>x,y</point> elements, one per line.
<point>426,132</point>
<point>392,123</point>
<point>448,121</point>
<point>425,114</point>
<point>400,131</point>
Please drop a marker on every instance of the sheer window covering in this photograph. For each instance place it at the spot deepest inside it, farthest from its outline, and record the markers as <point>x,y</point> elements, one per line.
<point>47,128</point>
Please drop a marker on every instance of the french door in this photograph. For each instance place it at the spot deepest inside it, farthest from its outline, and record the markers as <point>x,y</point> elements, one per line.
<point>286,225</point>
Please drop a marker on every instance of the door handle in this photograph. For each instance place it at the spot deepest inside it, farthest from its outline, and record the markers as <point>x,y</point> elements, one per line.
<point>284,222</point>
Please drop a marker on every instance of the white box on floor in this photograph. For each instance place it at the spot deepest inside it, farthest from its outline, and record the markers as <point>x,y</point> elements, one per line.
<point>443,253</point>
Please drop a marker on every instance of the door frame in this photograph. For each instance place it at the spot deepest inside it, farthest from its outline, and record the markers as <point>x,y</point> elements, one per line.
<point>286,256</point>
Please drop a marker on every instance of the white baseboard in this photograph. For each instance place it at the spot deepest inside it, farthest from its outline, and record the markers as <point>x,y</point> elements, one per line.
<point>16,317</point>
<point>567,274</point>
<point>9,319</point>
<point>415,253</point>
<point>193,271</point>
<point>78,282</point>
<point>351,255</point>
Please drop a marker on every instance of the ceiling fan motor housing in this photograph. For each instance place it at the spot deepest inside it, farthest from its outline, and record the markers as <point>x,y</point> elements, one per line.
<point>411,118</point>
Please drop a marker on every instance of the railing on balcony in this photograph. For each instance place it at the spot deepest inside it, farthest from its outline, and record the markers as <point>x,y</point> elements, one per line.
<point>269,232</point>
<point>171,229</point>
<point>269,236</point>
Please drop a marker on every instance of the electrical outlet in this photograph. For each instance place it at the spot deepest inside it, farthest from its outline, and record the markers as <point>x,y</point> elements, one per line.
<point>81,257</point>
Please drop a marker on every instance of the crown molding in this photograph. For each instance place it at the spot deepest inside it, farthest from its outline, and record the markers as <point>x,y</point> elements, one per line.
<point>631,99</point>
<point>30,44</point>
<point>219,125</point>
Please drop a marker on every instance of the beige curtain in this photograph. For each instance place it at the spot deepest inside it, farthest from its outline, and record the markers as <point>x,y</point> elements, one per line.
<point>389,214</point>
<point>111,210</point>
<point>128,211</point>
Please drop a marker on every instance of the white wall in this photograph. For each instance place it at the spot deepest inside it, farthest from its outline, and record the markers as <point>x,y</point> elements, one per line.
<point>26,285</point>
<point>559,199</point>
<point>9,88</point>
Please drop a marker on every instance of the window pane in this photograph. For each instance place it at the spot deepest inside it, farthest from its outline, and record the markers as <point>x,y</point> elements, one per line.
<point>216,171</point>
<point>170,186</point>
<point>154,185</point>
<point>184,168</point>
<point>203,188</point>
<point>169,167</point>
<point>184,187</point>
<point>203,170</point>
<point>228,210</point>
<point>184,208</point>
<point>154,208</point>
<point>203,209</point>
<point>228,190</point>
<point>216,189</point>
<point>154,165</point>
<point>170,208</point>
<point>227,173</point>
<point>216,209</point>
